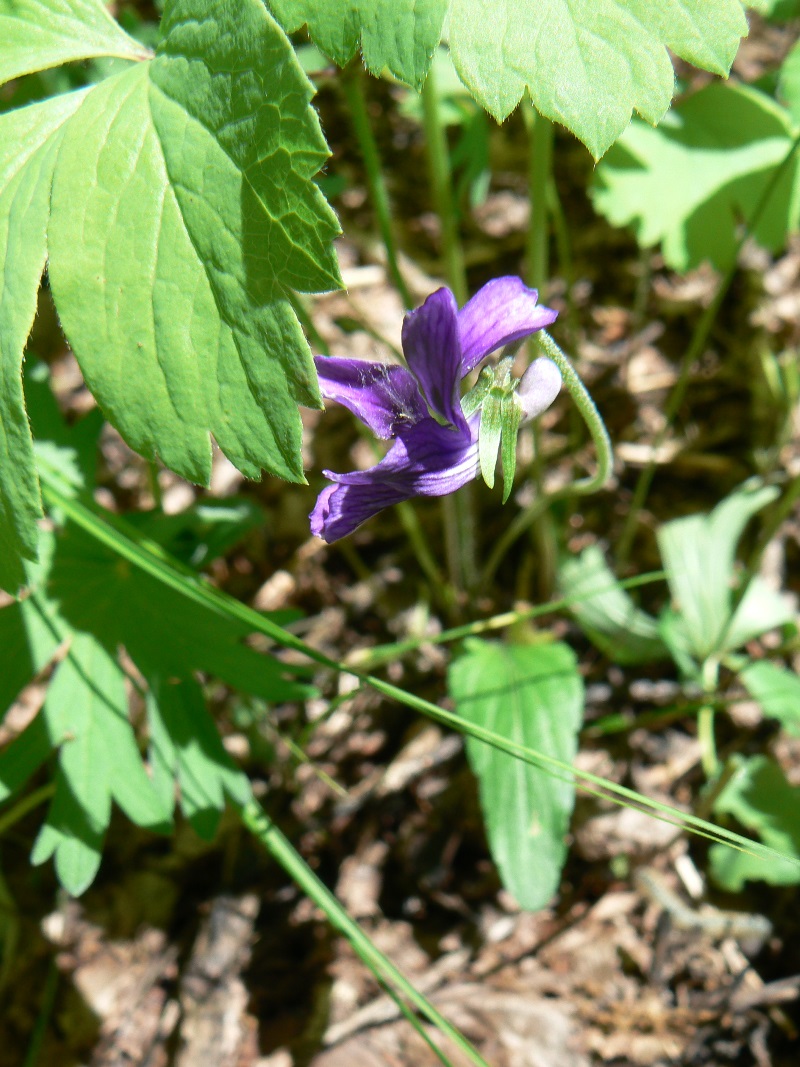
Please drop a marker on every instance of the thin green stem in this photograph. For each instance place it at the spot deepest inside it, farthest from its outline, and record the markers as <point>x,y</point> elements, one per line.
<point>43,1017</point>
<point>540,170</point>
<point>353,86</point>
<point>457,511</point>
<point>23,806</point>
<point>605,459</point>
<point>397,985</point>
<point>369,658</point>
<point>128,543</point>
<point>695,349</point>
<point>442,186</point>
<point>705,720</point>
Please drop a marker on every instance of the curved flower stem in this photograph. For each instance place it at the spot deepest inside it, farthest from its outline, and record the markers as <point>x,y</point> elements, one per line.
<point>353,85</point>
<point>695,349</point>
<point>605,458</point>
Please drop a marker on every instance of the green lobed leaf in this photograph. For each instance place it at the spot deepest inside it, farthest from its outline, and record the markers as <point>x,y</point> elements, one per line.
<point>606,613</point>
<point>37,34</point>
<point>395,35</point>
<point>688,185</point>
<point>160,628</point>
<point>585,65</point>
<point>29,141</point>
<point>185,748</point>
<point>777,690</point>
<point>532,694</point>
<point>699,553</point>
<point>760,798</point>
<point>86,715</point>
<point>183,209</point>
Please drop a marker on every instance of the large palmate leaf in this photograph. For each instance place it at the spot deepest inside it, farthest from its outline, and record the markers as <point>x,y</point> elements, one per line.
<point>189,180</point>
<point>28,145</point>
<point>709,167</point>
<point>531,694</point>
<point>587,65</point>
<point>182,211</point>
<point>395,35</point>
<point>37,34</point>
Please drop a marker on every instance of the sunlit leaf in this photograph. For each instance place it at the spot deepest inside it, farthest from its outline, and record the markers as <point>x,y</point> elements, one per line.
<point>532,694</point>
<point>183,211</point>
<point>777,690</point>
<point>760,798</point>
<point>689,185</point>
<point>699,553</point>
<point>29,140</point>
<point>606,613</point>
<point>398,36</point>
<point>37,34</point>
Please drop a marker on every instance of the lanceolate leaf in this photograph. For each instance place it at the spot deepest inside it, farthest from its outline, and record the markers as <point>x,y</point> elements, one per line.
<point>28,144</point>
<point>531,694</point>
<point>183,209</point>
<point>395,35</point>
<point>37,34</point>
<point>690,184</point>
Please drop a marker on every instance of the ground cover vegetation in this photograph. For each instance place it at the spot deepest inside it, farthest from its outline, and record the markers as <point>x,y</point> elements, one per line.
<point>399,545</point>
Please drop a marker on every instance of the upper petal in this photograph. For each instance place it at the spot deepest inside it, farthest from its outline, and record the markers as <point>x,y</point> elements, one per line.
<point>504,310</point>
<point>383,395</point>
<point>433,352</point>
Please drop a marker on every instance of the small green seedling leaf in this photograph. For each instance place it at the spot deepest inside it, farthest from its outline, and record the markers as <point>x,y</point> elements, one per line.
<point>789,83</point>
<point>760,798</point>
<point>533,694</point>
<point>186,749</point>
<point>37,34</point>
<point>777,690</point>
<point>689,185</point>
<point>86,716</point>
<point>606,613</point>
<point>699,553</point>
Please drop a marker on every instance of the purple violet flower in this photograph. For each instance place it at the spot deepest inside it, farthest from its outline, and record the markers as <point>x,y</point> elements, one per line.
<point>435,450</point>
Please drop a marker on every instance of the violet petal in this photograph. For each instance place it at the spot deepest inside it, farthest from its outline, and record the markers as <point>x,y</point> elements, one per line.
<point>433,352</point>
<point>428,460</point>
<point>384,396</point>
<point>504,310</point>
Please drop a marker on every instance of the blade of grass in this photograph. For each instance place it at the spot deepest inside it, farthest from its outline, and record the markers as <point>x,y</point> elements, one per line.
<point>256,820</point>
<point>115,533</point>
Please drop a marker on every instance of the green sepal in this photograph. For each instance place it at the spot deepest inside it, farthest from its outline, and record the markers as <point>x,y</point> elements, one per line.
<point>511,419</point>
<point>490,434</point>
